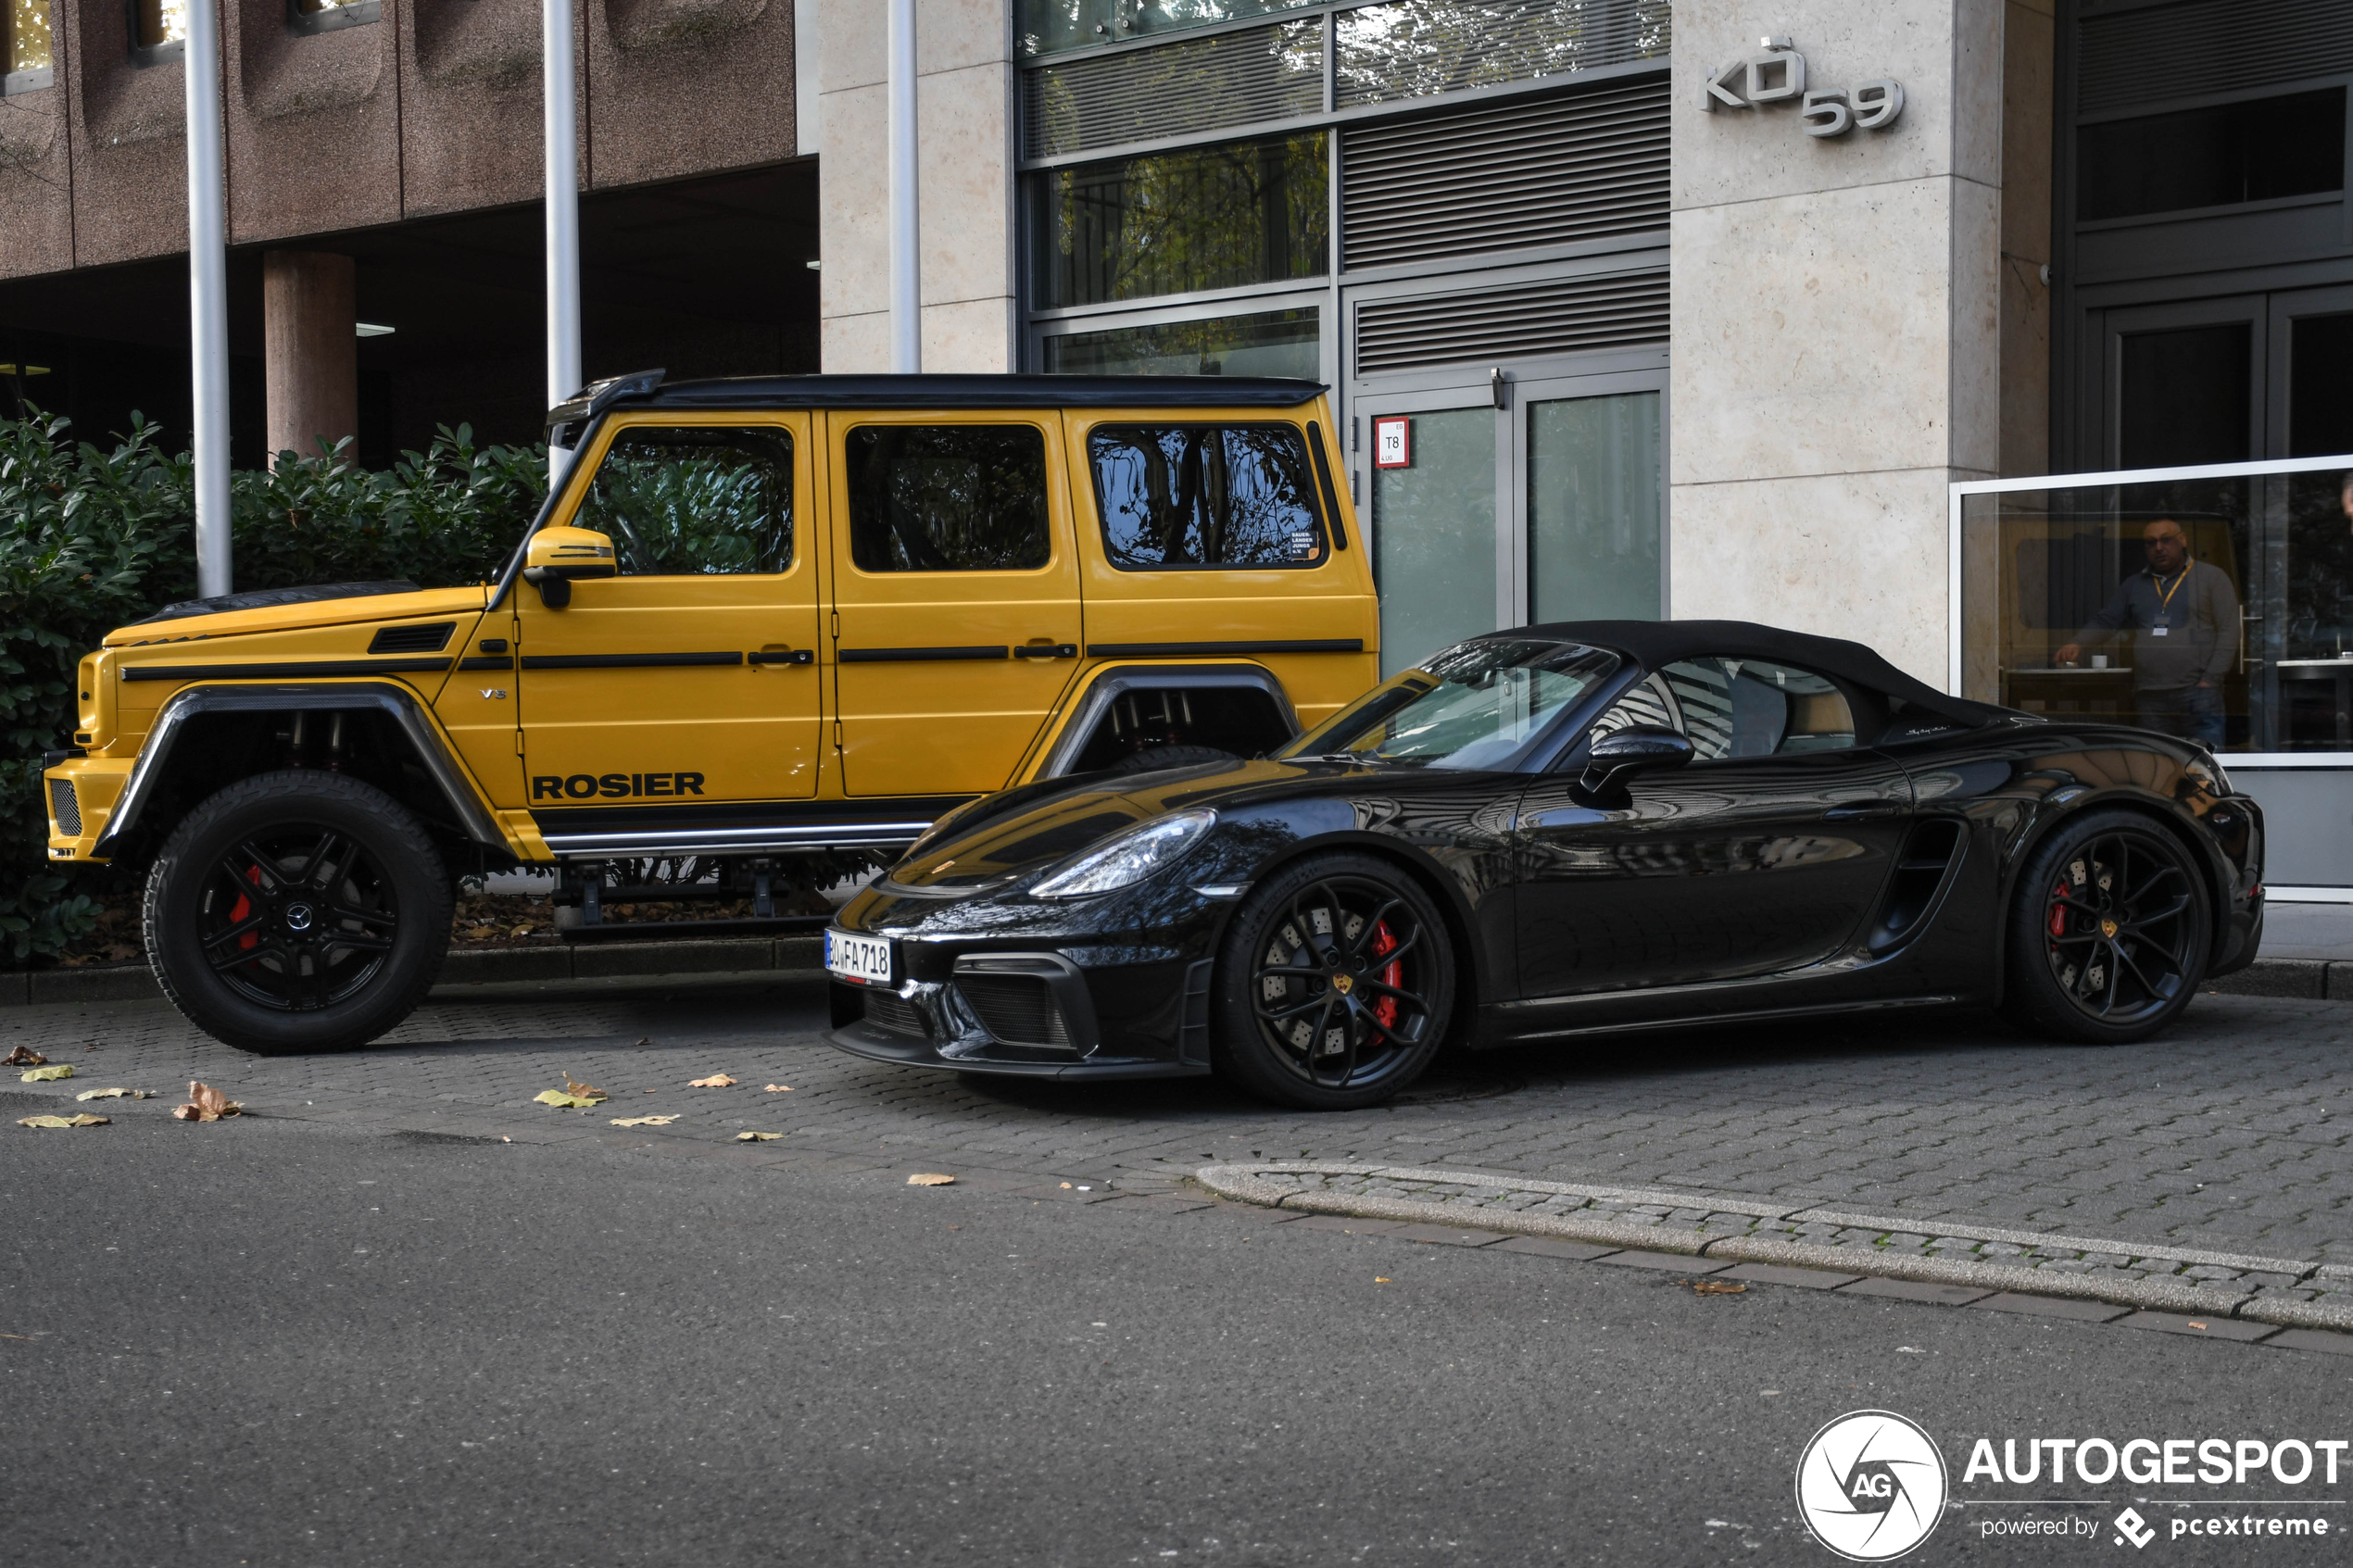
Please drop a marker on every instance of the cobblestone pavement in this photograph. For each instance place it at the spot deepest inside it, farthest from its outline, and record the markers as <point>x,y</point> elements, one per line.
<point>2230,1134</point>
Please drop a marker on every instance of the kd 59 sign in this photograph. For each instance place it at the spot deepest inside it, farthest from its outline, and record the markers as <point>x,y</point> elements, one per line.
<point>1778,75</point>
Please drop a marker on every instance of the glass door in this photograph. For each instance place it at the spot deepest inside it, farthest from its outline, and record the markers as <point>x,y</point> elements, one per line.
<point>1592,457</point>
<point>1427,463</point>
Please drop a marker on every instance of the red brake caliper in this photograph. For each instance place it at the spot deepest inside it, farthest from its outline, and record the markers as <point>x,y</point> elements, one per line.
<point>2058,910</point>
<point>243,907</point>
<point>1385,1010</point>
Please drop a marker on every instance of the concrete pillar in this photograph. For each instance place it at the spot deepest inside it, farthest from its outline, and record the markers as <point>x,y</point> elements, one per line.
<point>1836,318</point>
<point>963,61</point>
<point>310,350</point>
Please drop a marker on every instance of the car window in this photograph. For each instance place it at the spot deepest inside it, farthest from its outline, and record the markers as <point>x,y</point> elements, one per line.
<point>1734,708</point>
<point>947,497</point>
<point>1473,706</point>
<point>1205,495</point>
<point>688,500</point>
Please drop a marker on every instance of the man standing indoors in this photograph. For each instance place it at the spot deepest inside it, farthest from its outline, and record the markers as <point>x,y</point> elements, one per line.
<point>2187,616</point>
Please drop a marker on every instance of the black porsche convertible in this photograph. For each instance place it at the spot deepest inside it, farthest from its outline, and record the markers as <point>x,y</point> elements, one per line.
<point>1555,831</point>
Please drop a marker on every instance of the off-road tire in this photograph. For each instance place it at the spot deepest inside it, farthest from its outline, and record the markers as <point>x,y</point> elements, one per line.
<point>1159,758</point>
<point>389,879</point>
<point>1278,971</point>
<point>2110,927</point>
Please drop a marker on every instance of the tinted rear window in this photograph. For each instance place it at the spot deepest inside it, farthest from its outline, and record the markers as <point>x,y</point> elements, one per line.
<point>1205,495</point>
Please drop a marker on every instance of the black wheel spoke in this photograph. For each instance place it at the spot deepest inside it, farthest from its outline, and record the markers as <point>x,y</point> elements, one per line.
<point>262,859</point>
<point>249,954</point>
<point>365,917</point>
<point>2137,920</point>
<point>357,942</point>
<point>229,934</point>
<point>1371,928</point>
<point>1279,1014</point>
<point>2139,973</point>
<point>327,842</point>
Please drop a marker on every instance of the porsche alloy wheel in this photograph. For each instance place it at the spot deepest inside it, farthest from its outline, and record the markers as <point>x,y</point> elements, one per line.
<point>2112,933</point>
<point>1339,980</point>
<point>301,911</point>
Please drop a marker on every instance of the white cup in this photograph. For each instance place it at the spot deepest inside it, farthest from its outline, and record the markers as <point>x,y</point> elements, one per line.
<point>2100,661</point>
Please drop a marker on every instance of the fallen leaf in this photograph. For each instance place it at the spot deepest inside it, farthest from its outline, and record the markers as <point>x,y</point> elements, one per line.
<point>49,1075</point>
<point>643,1121</point>
<point>780,1088</point>
<point>1383,1279</point>
<point>109,1094</point>
<point>74,1120</point>
<point>2197,1326</point>
<point>716,1081</point>
<point>757,1138</point>
<point>206,1104</point>
<point>645,1039</point>
<point>1714,1287</point>
<point>563,1101</point>
<point>23,1055</point>
<point>1065,1186</point>
<point>583,1090</point>
<point>929,1179</point>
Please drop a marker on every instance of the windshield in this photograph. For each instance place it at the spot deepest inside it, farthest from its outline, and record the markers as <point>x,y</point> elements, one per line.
<point>1472,706</point>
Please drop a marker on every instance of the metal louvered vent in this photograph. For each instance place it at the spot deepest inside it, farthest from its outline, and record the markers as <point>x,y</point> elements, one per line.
<point>1244,78</point>
<point>413,639</point>
<point>65,808</point>
<point>1528,172</point>
<point>1559,317</point>
<point>2149,54</point>
<point>1017,1009</point>
<point>1415,48</point>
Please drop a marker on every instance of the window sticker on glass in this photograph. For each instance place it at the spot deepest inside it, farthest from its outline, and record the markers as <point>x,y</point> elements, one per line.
<point>1393,443</point>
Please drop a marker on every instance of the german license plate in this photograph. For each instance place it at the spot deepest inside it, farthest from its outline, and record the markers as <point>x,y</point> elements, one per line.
<point>863,959</point>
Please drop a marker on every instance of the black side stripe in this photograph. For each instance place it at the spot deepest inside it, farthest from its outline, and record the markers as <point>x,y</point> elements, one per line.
<point>276,672</point>
<point>1156,651</point>
<point>909,656</point>
<point>483,663</point>
<point>624,661</point>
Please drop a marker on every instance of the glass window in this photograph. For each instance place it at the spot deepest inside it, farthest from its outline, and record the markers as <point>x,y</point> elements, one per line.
<point>1434,537</point>
<point>1474,705</point>
<point>158,24</point>
<point>1269,343</point>
<point>2246,151</point>
<point>2320,392</point>
<point>690,500</point>
<point>1593,523</point>
<point>1046,26</point>
<point>1415,48</point>
<point>947,497</point>
<point>2185,396</point>
<point>1174,222</point>
<point>1234,495</point>
<point>24,45</point>
<point>1737,708</point>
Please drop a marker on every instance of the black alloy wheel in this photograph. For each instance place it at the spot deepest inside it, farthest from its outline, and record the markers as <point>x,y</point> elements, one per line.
<point>2110,931</point>
<point>1337,983</point>
<point>300,910</point>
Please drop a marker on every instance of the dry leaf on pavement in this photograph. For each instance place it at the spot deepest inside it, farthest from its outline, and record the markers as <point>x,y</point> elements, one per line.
<point>79,1120</point>
<point>1714,1287</point>
<point>563,1101</point>
<point>716,1081</point>
<point>49,1075</point>
<point>23,1055</point>
<point>584,1091</point>
<point>206,1104</point>
<point>757,1138</point>
<point>643,1121</point>
<point>779,1089</point>
<point>929,1179</point>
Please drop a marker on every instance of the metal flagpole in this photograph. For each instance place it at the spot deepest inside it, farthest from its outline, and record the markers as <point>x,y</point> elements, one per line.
<point>209,298</point>
<point>906,267</point>
<point>563,210</point>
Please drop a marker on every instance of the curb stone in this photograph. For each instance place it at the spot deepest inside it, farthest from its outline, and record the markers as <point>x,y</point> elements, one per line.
<point>1250,1184</point>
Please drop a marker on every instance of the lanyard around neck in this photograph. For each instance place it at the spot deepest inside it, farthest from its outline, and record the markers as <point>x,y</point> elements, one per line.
<point>2164,593</point>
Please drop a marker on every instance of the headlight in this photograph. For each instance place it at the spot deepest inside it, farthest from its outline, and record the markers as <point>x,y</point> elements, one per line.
<point>1128,858</point>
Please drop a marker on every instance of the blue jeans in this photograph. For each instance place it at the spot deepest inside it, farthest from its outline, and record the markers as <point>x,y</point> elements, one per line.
<point>2188,712</point>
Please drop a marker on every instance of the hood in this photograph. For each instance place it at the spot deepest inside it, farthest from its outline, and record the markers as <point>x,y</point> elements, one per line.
<point>288,609</point>
<point>1002,845</point>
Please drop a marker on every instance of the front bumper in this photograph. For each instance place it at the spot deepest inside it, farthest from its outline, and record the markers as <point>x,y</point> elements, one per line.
<point>80,795</point>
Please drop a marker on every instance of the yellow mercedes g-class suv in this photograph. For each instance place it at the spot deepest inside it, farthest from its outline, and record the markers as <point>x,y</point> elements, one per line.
<point>758,625</point>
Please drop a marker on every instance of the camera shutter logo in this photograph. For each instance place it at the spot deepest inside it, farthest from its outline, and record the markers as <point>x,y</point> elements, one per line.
<point>1870,1486</point>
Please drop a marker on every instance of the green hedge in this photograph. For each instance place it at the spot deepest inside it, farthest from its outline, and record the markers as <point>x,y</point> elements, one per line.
<point>91,539</point>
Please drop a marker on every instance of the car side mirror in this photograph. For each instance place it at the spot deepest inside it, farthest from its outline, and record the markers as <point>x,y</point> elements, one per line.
<point>1638,748</point>
<point>556,557</point>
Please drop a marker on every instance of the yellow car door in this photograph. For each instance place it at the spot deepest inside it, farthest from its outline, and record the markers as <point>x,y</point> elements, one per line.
<point>683,689</point>
<point>956,586</point>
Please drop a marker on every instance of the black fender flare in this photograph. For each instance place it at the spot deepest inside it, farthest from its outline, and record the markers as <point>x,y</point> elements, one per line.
<point>396,702</point>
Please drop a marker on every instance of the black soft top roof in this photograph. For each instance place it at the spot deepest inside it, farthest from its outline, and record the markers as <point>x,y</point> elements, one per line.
<point>1655,643</point>
<point>646,389</point>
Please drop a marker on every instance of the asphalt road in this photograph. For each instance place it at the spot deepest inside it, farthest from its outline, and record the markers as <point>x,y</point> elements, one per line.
<point>279,1342</point>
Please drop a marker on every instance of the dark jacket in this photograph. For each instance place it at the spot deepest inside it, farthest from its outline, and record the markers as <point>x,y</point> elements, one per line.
<point>2201,622</point>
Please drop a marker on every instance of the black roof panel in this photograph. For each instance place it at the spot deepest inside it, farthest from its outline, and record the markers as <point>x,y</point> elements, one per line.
<point>979,392</point>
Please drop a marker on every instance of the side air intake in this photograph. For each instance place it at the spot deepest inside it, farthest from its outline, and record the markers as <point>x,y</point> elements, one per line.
<point>1930,853</point>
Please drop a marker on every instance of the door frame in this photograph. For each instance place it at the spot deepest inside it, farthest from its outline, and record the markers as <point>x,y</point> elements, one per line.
<point>2286,306</point>
<point>2120,321</point>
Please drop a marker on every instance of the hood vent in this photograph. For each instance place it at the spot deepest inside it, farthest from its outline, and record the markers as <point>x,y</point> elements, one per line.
<point>413,639</point>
